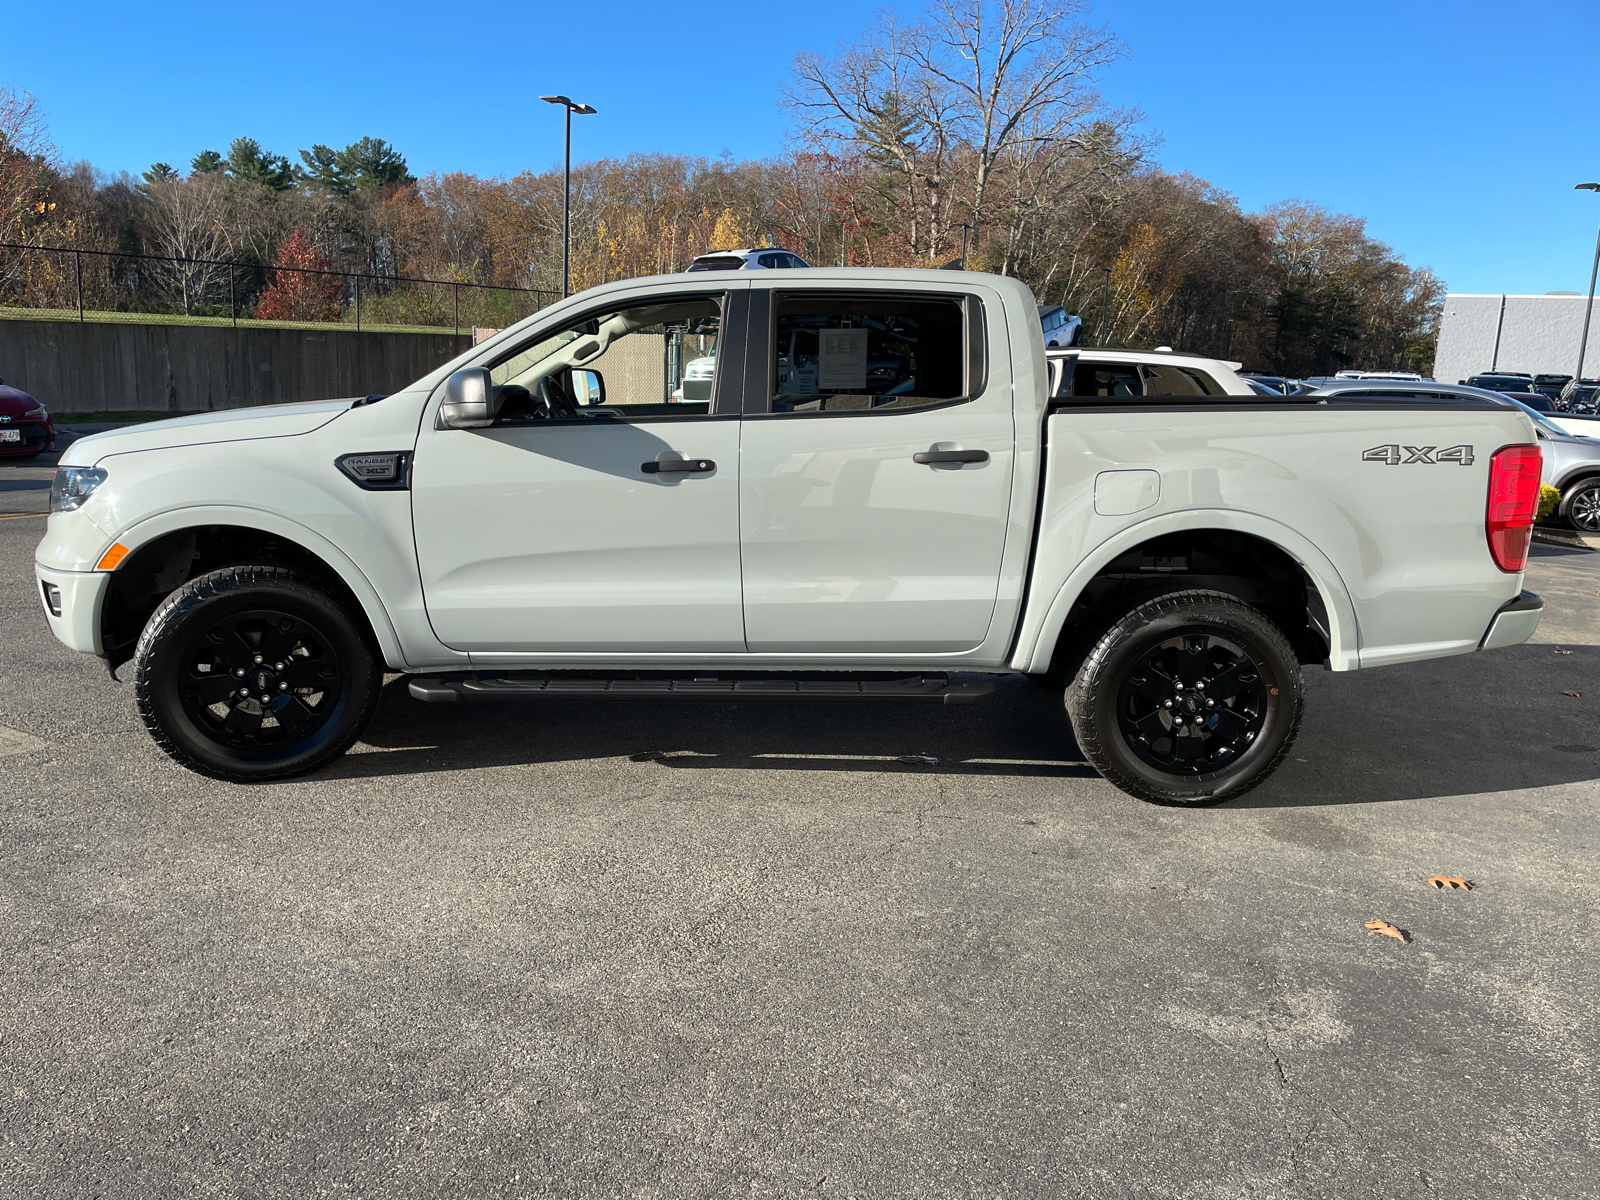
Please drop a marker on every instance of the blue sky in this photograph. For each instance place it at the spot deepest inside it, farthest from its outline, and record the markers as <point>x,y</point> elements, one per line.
<point>1457,129</point>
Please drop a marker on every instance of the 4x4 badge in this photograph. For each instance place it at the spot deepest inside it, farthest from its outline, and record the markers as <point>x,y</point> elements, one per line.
<point>1396,456</point>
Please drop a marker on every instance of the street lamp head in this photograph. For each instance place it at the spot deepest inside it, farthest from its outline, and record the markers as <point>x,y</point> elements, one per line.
<point>572,105</point>
<point>1586,187</point>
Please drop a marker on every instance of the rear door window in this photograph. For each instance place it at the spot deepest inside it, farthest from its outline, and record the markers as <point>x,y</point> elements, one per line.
<point>868,353</point>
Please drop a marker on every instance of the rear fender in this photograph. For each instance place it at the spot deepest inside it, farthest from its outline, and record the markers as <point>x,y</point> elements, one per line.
<point>1053,602</point>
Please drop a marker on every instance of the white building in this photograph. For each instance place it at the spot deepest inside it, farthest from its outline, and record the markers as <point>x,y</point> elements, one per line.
<point>1536,334</point>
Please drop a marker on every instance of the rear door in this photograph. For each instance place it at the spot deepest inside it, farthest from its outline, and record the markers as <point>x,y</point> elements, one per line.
<point>876,471</point>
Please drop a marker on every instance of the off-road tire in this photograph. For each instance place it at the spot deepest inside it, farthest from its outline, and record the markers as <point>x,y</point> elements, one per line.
<point>330,649</point>
<point>1101,704</point>
<point>1580,505</point>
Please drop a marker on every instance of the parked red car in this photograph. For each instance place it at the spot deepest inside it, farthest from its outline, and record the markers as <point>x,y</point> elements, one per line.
<point>25,427</point>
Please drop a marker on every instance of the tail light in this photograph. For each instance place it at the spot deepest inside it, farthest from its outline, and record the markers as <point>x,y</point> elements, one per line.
<point>1513,503</point>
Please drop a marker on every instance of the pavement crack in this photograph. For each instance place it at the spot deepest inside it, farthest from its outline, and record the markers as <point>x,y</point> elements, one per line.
<point>1277,1063</point>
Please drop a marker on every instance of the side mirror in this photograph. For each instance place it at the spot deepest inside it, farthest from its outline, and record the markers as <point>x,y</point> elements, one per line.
<point>468,400</point>
<point>588,387</point>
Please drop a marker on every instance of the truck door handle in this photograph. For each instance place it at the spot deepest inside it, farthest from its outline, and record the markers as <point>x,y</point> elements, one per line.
<point>957,456</point>
<point>677,466</point>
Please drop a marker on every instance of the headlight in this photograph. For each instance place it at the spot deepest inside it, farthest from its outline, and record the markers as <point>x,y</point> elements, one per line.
<point>72,486</point>
<point>35,414</point>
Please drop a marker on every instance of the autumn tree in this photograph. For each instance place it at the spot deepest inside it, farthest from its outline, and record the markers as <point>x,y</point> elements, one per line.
<point>27,161</point>
<point>944,103</point>
<point>186,226</point>
<point>299,291</point>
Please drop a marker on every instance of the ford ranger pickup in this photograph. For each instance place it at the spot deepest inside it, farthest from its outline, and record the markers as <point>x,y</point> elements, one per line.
<point>874,479</point>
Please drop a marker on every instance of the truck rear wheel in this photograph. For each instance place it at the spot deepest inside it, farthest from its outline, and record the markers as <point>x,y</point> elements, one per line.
<point>1191,698</point>
<point>253,673</point>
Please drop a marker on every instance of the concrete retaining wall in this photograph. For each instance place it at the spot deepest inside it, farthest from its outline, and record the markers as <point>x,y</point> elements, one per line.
<point>1536,334</point>
<point>104,367</point>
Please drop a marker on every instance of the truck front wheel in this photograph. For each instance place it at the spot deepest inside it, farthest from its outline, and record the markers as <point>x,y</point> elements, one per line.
<point>1191,698</point>
<point>253,673</point>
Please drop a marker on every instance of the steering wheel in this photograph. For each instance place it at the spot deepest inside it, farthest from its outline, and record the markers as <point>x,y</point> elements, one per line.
<point>554,394</point>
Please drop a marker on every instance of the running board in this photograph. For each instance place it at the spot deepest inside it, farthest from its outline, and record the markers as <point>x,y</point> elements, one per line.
<point>531,685</point>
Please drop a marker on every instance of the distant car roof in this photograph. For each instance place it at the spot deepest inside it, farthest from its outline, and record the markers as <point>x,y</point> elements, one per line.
<point>1099,353</point>
<point>1425,387</point>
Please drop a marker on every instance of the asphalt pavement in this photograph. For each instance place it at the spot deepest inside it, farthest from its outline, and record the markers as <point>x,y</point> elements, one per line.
<point>489,954</point>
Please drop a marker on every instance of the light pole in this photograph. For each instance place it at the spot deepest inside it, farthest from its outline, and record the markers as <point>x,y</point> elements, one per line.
<point>572,106</point>
<point>1583,342</point>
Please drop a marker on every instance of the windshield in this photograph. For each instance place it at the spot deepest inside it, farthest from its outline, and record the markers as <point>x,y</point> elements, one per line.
<point>1542,421</point>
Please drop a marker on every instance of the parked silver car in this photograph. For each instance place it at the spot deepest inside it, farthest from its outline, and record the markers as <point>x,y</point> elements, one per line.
<point>1571,463</point>
<point>768,259</point>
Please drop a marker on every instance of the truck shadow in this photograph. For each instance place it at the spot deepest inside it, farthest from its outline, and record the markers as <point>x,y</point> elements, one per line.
<point>1459,726</point>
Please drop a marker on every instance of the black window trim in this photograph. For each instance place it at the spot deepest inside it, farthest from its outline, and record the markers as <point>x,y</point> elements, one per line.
<point>725,397</point>
<point>761,348</point>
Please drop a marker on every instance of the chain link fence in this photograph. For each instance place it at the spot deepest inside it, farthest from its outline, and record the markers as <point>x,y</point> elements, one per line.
<point>60,284</point>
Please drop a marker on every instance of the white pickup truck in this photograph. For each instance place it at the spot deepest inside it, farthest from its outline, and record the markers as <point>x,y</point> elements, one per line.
<point>887,479</point>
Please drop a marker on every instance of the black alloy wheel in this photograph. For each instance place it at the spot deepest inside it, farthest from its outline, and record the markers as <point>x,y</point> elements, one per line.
<point>1581,506</point>
<point>258,680</point>
<point>1189,699</point>
<point>1192,704</point>
<point>253,673</point>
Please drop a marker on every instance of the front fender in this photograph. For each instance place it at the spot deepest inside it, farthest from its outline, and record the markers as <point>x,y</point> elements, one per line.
<point>1050,603</point>
<point>173,520</point>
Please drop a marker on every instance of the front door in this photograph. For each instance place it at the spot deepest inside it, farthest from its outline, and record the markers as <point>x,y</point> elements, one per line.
<point>876,477</point>
<point>599,514</point>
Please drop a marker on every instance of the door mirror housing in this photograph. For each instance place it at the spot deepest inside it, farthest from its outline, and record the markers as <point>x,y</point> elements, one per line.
<point>468,400</point>
<point>588,387</point>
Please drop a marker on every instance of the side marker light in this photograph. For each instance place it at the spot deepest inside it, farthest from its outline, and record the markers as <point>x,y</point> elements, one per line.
<point>110,559</point>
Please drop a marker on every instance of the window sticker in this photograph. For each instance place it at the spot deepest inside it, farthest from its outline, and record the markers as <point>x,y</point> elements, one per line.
<point>797,381</point>
<point>842,359</point>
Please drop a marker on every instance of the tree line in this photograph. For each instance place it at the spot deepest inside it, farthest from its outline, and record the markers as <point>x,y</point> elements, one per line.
<point>974,130</point>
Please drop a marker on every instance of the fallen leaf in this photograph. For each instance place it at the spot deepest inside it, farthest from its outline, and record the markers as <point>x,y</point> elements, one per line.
<point>1388,930</point>
<point>1452,882</point>
<point>1574,695</point>
<point>646,756</point>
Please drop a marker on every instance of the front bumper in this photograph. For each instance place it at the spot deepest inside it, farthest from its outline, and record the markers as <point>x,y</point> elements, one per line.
<point>1514,623</point>
<point>36,437</point>
<point>79,595</point>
